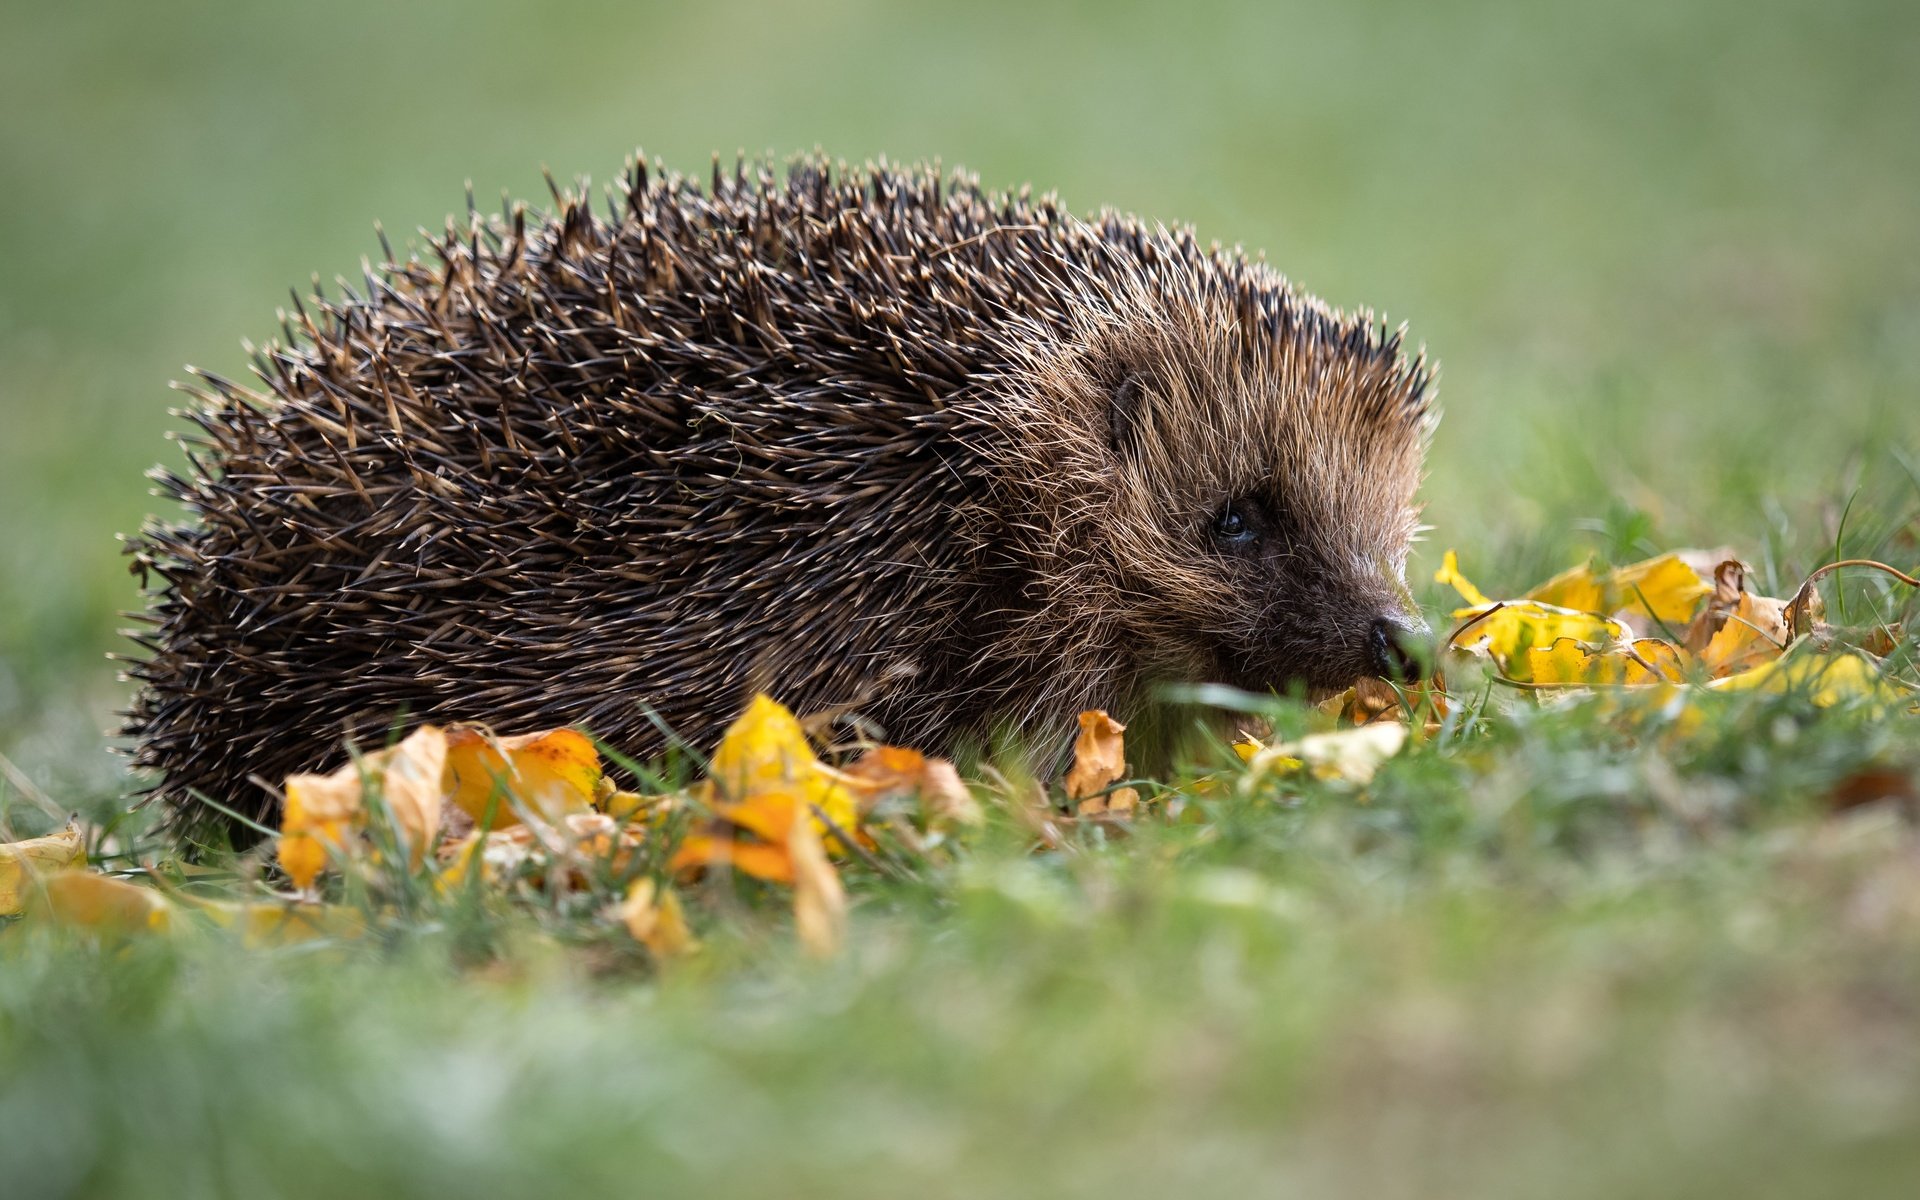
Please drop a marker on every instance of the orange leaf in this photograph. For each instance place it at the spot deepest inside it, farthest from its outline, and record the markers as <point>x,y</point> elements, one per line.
<point>550,774</point>
<point>762,860</point>
<point>1099,755</point>
<point>1755,632</point>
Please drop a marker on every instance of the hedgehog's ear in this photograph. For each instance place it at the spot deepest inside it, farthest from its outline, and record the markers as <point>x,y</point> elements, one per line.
<point>1126,401</point>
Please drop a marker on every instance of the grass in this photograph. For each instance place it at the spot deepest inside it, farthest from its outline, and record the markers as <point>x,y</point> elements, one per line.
<point>1667,257</point>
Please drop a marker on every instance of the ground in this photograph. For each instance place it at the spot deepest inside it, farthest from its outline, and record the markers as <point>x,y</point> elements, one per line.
<point>1667,258</point>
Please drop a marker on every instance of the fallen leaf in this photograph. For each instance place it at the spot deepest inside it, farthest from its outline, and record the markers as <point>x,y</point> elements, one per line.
<point>1506,632</point>
<point>889,772</point>
<point>21,863</point>
<point>105,904</point>
<point>548,774</point>
<point>1729,584</point>
<point>576,846</point>
<point>762,860</point>
<point>819,901</point>
<point>764,767</point>
<point>1449,573</point>
<point>1349,755</point>
<point>654,917</point>
<point>1824,679</point>
<point>1099,761</point>
<point>1754,632</point>
<point>1664,589</point>
<point>323,813</point>
<point>1567,660</point>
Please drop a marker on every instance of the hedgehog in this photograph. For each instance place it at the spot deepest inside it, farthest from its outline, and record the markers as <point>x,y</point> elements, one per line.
<point>873,439</point>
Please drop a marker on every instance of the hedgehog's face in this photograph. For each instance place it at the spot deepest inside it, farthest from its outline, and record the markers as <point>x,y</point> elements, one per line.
<point>1259,519</point>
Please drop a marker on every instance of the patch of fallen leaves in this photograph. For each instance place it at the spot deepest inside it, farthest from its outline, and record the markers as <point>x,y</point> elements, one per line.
<point>1661,624</point>
<point>461,807</point>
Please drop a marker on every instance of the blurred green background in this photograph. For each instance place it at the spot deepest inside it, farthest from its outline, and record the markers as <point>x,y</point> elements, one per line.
<point>1667,253</point>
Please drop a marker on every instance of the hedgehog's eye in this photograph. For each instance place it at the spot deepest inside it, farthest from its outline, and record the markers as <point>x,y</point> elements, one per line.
<point>1235,524</point>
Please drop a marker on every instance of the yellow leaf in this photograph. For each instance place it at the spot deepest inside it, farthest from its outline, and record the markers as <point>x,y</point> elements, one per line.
<point>104,903</point>
<point>1565,661</point>
<point>819,902</point>
<point>1449,573</point>
<point>1664,588</point>
<point>1508,632</point>
<point>550,774</point>
<point>320,813</point>
<point>655,919</point>
<point>766,752</point>
<point>23,862</point>
<point>323,813</point>
<point>1665,662</point>
<point>262,924</point>
<point>1825,679</point>
<point>1568,661</point>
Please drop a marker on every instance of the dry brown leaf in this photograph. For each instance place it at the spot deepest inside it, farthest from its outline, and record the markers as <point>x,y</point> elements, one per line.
<point>1729,584</point>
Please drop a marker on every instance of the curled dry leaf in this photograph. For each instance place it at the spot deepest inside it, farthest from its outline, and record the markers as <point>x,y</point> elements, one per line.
<point>653,915</point>
<point>890,772</point>
<point>1755,631</point>
<point>1099,761</point>
<point>21,863</point>
<point>1371,699</point>
<point>324,813</point>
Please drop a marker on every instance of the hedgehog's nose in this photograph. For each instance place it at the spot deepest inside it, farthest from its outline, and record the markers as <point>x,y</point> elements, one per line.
<point>1388,652</point>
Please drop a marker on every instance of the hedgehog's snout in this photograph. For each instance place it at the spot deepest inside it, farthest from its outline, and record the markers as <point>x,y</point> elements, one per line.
<point>1391,643</point>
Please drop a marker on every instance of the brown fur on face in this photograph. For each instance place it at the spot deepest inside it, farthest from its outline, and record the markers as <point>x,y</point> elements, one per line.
<point>860,437</point>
